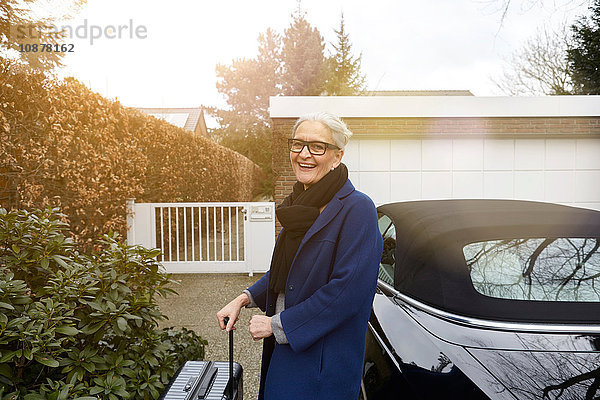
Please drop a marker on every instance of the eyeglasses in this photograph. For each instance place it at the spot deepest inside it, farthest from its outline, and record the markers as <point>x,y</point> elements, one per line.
<point>314,148</point>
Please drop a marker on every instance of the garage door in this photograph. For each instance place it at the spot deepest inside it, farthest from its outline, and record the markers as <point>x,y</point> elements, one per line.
<point>556,170</point>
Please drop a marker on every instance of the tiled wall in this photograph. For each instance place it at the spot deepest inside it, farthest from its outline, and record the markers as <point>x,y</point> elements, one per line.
<point>555,170</point>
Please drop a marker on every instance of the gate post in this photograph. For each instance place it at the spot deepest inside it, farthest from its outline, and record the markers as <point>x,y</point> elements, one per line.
<point>261,238</point>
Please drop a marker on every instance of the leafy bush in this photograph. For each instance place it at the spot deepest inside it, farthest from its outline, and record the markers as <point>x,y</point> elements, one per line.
<point>77,326</point>
<point>63,145</point>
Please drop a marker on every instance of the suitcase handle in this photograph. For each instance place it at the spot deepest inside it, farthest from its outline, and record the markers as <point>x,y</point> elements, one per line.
<point>230,384</point>
<point>207,381</point>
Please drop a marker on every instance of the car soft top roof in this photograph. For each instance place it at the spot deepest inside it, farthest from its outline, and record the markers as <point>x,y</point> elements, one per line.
<point>430,264</point>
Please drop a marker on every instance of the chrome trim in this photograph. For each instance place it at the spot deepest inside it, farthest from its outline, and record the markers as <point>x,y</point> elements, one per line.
<point>388,287</point>
<point>382,344</point>
<point>498,325</point>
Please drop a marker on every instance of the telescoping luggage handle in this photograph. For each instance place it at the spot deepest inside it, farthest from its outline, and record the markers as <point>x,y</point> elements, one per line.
<point>230,383</point>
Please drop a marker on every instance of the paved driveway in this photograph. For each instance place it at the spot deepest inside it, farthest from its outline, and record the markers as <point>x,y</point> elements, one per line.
<point>200,297</point>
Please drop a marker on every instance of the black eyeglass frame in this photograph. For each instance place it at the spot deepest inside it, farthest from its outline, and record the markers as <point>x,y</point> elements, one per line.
<point>307,144</point>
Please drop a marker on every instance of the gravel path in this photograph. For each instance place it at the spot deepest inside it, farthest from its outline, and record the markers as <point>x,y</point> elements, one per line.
<point>200,297</point>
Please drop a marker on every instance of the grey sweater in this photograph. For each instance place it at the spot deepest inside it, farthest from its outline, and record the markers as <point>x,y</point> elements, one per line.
<point>276,319</point>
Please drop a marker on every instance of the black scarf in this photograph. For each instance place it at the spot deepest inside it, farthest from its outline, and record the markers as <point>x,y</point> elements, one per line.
<point>297,213</point>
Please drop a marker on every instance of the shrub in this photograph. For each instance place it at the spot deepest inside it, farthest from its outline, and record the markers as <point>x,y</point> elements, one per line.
<point>77,326</point>
<point>63,145</point>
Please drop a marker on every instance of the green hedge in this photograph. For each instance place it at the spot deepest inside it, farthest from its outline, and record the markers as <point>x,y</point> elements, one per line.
<point>77,326</point>
<point>63,145</point>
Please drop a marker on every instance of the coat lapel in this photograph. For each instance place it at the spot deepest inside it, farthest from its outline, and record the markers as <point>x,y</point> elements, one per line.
<point>332,209</point>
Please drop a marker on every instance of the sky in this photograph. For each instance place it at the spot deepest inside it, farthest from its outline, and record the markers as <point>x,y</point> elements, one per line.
<point>166,56</point>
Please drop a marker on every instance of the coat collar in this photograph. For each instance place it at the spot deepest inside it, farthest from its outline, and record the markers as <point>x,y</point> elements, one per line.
<point>330,211</point>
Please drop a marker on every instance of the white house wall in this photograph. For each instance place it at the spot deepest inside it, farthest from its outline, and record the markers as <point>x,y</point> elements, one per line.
<point>547,169</point>
<point>441,147</point>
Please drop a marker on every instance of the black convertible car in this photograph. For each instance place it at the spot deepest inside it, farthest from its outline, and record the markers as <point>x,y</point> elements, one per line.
<point>485,299</point>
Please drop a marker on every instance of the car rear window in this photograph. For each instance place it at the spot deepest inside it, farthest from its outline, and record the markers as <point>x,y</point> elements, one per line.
<point>537,269</point>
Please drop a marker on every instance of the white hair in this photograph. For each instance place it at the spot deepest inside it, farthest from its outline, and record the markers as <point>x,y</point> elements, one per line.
<point>339,131</point>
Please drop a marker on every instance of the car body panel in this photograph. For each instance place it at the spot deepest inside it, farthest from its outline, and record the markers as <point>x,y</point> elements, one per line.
<point>542,374</point>
<point>427,342</point>
<point>429,366</point>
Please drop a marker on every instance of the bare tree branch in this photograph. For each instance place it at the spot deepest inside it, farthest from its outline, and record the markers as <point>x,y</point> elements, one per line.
<point>503,6</point>
<point>572,381</point>
<point>539,67</point>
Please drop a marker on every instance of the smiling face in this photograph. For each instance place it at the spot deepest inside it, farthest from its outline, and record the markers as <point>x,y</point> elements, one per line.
<point>308,168</point>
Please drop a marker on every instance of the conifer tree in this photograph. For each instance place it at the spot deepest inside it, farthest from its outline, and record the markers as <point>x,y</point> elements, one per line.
<point>344,75</point>
<point>303,60</point>
<point>293,64</point>
<point>584,57</point>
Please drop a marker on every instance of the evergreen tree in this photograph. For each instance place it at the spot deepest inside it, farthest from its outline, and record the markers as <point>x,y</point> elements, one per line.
<point>344,75</point>
<point>584,57</point>
<point>303,60</point>
<point>292,65</point>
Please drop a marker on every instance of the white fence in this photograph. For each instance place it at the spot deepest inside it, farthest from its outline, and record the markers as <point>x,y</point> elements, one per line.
<point>205,237</point>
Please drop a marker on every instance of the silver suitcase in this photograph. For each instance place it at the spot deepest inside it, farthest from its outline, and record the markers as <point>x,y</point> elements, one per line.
<point>207,380</point>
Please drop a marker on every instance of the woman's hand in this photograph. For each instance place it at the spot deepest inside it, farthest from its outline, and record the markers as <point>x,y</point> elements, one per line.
<point>232,310</point>
<point>260,327</point>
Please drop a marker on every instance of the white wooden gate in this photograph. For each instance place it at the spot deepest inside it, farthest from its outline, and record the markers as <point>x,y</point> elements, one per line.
<point>205,237</point>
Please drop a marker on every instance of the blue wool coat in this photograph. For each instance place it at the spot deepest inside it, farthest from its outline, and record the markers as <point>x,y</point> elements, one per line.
<point>328,297</point>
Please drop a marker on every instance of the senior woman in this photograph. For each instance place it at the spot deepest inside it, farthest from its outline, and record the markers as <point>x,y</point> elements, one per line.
<point>318,292</point>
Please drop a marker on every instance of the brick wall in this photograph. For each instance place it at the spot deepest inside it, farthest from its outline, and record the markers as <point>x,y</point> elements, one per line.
<point>426,127</point>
